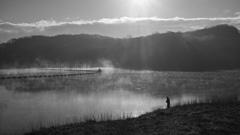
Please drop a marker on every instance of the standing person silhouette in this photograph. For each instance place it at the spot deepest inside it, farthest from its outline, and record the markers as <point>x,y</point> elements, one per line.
<point>168,102</point>
<point>99,70</point>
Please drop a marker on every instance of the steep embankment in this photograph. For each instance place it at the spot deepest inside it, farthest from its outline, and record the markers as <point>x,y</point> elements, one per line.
<point>190,119</point>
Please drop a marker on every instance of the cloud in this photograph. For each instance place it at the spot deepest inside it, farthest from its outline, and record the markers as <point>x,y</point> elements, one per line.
<point>237,13</point>
<point>115,27</point>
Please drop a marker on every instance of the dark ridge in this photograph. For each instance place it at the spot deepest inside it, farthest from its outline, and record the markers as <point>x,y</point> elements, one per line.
<point>223,30</point>
<point>213,48</point>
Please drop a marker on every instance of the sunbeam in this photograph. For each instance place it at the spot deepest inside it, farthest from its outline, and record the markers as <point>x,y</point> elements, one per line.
<point>141,8</point>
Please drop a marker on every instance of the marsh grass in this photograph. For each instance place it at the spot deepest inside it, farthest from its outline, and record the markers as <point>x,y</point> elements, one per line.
<point>111,116</point>
<point>76,119</point>
<point>207,100</point>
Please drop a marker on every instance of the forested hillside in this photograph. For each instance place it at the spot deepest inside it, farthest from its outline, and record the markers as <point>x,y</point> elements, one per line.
<point>213,48</point>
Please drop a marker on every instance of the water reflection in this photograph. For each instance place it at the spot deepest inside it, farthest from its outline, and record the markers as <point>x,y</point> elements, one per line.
<point>25,109</point>
<point>47,101</point>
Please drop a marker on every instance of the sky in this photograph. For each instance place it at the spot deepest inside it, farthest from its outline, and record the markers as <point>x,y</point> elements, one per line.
<point>114,18</point>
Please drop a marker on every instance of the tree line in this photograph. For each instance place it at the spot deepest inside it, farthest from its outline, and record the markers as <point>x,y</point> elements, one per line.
<point>212,48</point>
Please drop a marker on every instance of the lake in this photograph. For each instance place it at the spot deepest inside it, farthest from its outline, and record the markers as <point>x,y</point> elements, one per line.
<point>30,103</point>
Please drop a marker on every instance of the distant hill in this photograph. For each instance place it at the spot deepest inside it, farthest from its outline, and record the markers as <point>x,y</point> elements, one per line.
<point>219,30</point>
<point>213,48</point>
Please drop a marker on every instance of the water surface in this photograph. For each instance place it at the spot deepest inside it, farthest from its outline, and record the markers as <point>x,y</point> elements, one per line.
<point>27,103</point>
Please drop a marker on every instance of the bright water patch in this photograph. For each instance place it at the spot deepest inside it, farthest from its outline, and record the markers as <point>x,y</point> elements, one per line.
<point>25,109</point>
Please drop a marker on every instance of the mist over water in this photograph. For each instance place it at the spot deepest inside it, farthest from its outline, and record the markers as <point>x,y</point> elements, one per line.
<point>47,101</point>
<point>25,109</point>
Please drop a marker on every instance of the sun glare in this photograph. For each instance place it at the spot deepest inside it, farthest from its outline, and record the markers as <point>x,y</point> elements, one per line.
<point>139,2</point>
<point>140,7</point>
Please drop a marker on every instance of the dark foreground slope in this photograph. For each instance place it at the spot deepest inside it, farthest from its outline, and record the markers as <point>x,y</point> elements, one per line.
<point>219,119</point>
<point>214,48</point>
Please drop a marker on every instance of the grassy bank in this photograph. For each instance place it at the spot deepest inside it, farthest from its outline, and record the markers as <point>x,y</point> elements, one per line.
<point>203,118</point>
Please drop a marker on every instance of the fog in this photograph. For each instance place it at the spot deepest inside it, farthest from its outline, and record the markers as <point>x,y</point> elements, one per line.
<point>27,104</point>
<point>23,110</point>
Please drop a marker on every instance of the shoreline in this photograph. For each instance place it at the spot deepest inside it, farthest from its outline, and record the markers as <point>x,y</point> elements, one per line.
<point>202,118</point>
